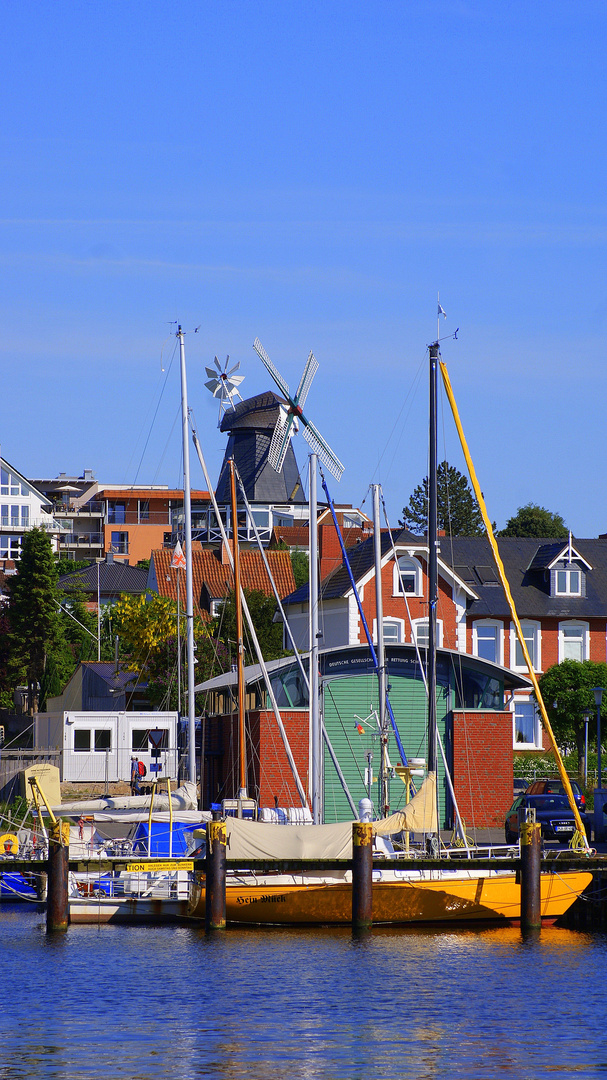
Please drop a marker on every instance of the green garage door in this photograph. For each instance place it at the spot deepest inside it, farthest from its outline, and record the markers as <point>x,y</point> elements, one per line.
<point>355,696</point>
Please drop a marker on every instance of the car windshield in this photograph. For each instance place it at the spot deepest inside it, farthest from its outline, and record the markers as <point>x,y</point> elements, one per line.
<point>548,802</point>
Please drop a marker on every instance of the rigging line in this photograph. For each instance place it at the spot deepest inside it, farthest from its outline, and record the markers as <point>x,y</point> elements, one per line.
<point>424,679</point>
<point>410,395</point>
<point>247,614</point>
<point>346,736</point>
<point>155,414</point>
<point>346,561</point>
<point>271,577</point>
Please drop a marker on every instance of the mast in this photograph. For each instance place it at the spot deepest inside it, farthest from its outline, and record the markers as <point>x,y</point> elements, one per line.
<point>242,765</point>
<point>187,505</point>
<point>434,354</point>
<point>384,796</point>
<point>315,742</point>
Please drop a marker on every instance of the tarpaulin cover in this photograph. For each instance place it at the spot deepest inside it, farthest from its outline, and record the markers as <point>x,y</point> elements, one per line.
<point>160,847</point>
<point>419,815</point>
<point>257,840</point>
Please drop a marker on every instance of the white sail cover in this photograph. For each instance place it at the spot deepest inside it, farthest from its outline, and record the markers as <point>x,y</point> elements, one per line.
<point>182,798</point>
<point>257,840</point>
<point>417,816</point>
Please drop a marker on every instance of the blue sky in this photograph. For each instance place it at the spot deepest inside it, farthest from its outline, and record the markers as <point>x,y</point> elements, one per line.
<point>312,174</point>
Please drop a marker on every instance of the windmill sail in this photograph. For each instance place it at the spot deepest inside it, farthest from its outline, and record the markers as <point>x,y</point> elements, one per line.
<point>287,419</point>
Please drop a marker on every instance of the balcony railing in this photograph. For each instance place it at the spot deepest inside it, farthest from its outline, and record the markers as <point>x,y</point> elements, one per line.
<point>85,539</point>
<point>91,509</point>
<point>49,524</point>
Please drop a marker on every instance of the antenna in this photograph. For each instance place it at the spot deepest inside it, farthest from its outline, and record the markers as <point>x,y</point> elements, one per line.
<point>224,384</point>
<point>288,417</point>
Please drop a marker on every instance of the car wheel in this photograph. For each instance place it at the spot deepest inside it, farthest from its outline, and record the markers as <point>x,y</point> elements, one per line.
<point>511,838</point>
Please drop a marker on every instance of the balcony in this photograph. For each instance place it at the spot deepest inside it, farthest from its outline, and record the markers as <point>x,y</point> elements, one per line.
<point>49,524</point>
<point>84,539</point>
<point>91,509</point>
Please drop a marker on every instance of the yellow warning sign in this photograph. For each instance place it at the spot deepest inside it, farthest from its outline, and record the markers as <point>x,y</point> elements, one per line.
<point>152,864</point>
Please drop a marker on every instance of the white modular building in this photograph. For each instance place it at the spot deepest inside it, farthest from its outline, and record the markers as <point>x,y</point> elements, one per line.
<point>98,746</point>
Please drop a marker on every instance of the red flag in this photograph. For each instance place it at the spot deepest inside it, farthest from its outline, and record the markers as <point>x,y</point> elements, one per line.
<point>178,560</point>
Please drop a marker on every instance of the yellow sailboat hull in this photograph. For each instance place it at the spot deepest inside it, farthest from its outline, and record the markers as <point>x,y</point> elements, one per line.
<point>448,897</point>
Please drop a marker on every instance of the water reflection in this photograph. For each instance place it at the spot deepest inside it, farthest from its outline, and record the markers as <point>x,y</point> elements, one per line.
<point>122,1002</point>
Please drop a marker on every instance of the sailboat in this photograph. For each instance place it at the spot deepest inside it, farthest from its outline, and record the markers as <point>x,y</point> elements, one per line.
<point>401,895</point>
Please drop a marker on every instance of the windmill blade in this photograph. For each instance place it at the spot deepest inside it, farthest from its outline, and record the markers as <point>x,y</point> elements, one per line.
<point>212,374</point>
<point>320,447</point>
<point>280,439</point>
<point>306,380</point>
<point>218,365</point>
<point>233,369</point>
<point>265,359</point>
<point>214,385</point>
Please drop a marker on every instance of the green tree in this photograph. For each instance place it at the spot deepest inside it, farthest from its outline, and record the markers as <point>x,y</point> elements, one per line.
<point>37,642</point>
<point>146,627</point>
<point>262,610</point>
<point>70,566</point>
<point>301,567</point>
<point>162,671</point>
<point>534,520</point>
<point>567,692</point>
<point>457,509</point>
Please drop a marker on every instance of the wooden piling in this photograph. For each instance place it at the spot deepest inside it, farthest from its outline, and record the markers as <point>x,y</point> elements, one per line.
<point>215,888</point>
<point>57,906</point>
<point>362,875</point>
<point>531,856</point>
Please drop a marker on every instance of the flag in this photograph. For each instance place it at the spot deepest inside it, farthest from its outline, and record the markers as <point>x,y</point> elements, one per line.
<point>441,311</point>
<point>178,560</point>
<point>360,729</point>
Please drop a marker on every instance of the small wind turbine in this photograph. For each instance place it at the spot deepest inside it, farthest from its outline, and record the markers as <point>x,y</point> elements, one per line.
<point>288,417</point>
<point>224,384</point>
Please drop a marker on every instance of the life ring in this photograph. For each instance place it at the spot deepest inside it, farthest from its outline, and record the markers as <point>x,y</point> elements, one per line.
<point>9,844</point>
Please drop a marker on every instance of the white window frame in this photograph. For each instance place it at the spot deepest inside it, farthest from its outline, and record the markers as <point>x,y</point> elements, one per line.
<point>568,571</point>
<point>390,620</point>
<point>574,624</point>
<point>413,565</point>
<point>537,742</point>
<point>537,645</point>
<point>499,638</point>
<point>421,622</point>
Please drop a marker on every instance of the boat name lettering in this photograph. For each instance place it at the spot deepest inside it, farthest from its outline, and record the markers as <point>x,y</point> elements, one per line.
<point>267,899</point>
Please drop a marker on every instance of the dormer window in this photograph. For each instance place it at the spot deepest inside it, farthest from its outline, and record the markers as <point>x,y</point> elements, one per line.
<point>568,582</point>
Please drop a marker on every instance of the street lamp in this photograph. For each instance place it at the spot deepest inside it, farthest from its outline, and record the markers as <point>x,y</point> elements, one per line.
<point>587,716</point>
<point>598,697</point>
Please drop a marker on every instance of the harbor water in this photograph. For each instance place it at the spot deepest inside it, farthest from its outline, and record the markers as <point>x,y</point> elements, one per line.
<point>106,1003</point>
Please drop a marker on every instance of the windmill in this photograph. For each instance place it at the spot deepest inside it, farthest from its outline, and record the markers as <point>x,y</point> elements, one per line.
<point>290,414</point>
<point>224,384</point>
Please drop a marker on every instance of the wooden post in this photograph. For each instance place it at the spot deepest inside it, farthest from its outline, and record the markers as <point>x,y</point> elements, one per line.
<point>362,875</point>
<point>57,907</point>
<point>215,888</point>
<point>531,854</point>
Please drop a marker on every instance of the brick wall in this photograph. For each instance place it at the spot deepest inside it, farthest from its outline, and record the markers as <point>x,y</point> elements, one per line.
<point>268,770</point>
<point>482,766</point>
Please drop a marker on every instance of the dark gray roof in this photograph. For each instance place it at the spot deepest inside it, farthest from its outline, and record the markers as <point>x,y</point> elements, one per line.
<point>547,553</point>
<point>251,425</point>
<point>361,559</point>
<point>472,561</point>
<point>106,670</point>
<point>114,578</point>
<point>525,561</point>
